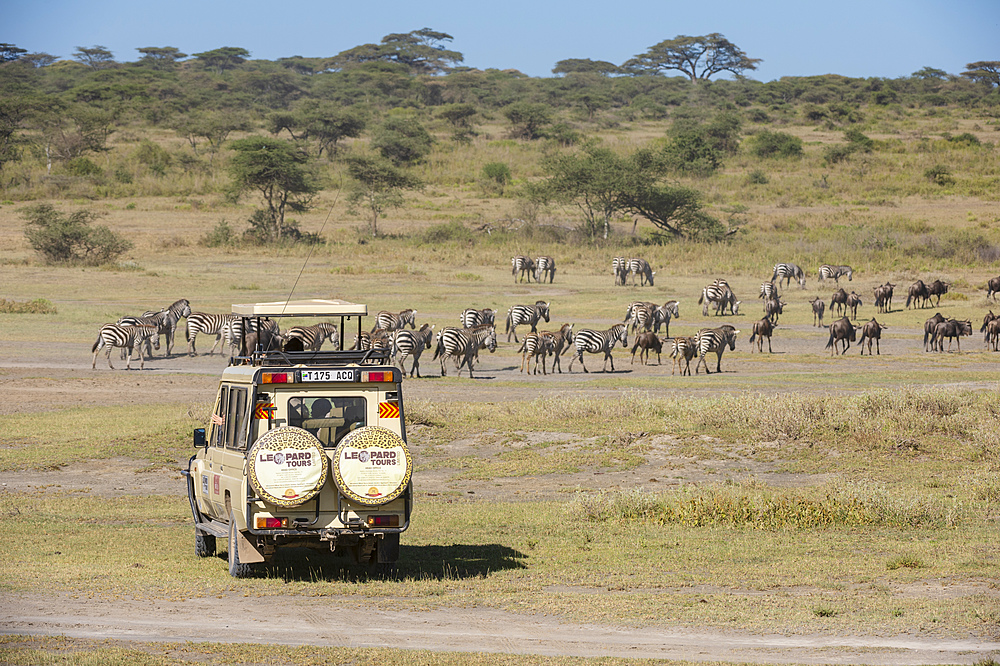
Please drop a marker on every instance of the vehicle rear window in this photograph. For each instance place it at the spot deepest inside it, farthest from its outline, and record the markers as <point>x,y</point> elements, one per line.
<point>328,418</point>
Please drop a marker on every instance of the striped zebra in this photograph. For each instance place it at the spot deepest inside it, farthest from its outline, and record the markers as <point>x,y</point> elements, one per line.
<point>619,267</point>
<point>537,345</point>
<point>545,266</point>
<point>472,317</point>
<point>633,307</point>
<point>411,343</point>
<point>524,265</point>
<point>714,340</point>
<point>641,268</point>
<point>209,324</point>
<point>562,340</point>
<point>663,314</point>
<point>377,339</point>
<point>526,314</point>
<point>233,331</point>
<point>463,345</point>
<point>595,342</point>
<point>768,290</point>
<point>721,295</point>
<point>390,321</point>
<point>683,349</point>
<point>787,272</point>
<point>168,326</point>
<point>148,319</point>
<point>313,337</point>
<point>129,338</point>
<point>827,271</point>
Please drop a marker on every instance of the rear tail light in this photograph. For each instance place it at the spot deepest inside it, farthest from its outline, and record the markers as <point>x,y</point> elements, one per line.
<point>383,521</point>
<point>264,523</point>
<point>277,378</point>
<point>378,376</point>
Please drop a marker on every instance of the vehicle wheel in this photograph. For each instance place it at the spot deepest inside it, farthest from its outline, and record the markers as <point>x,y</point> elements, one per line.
<point>204,544</point>
<point>236,569</point>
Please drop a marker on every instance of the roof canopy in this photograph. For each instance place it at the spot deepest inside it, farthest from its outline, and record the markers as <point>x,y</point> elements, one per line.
<point>315,307</point>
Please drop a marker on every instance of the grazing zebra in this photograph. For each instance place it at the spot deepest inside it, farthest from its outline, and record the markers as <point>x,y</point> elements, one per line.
<point>827,271</point>
<point>762,329</point>
<point>641,268</point>
<point>525,265</point>
<point>525,314</point>
<point>536,345</point>
<point>619,266</point>
<point>819,307</point>
<point>411,343</point>
<point>768,290</point>
<point>646,341</point>
<point>209,324</point>
<point>684,348</point>
<point>313,337</point>
<point>852,303</point>
<point>562,339</point>
<point>128,338</point>
<point>150,319</point>
<point>471,317</point>
<point>389,321</point>
<point>714,340</point>
<point>545,266</point>
<point>595,342</point>
<point>721,295</point>
<point>787,272</point>
<point>168,325</point>
<point>463,344</point>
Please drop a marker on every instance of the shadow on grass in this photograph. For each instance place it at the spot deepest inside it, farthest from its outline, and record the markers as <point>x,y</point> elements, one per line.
<point>454,562</point>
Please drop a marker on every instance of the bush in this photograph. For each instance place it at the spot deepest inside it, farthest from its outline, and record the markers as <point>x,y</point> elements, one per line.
<point>82,167</point>
<point>838,153</point>
<point>69,238</point>
<point>37,306</point>
<point>221,235</point>
<point>757,177</point>
<point>776,144</point>
<point>939,175</point>
<point>496,176</point>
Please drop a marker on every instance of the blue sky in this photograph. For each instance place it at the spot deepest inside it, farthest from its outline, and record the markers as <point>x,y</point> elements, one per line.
<point>857,38</point>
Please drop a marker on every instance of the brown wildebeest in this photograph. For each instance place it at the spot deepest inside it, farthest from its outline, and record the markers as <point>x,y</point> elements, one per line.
<point>929,327</point>
<point>992,287</point>
<point>842,331</point>
<point>937,288</point>
<point>645,342</point>
<point>986,322</point>
<point>839,299</point>
<point>872,330</point>
<point>917,290</point>
<point>772,308</point>
<point>762,329</point>
<point>683,349</point>
<point>992,336</point>
<point>853,301</point>
<point>952,329</point>
<point>883,297</point>
<point>819,307</point>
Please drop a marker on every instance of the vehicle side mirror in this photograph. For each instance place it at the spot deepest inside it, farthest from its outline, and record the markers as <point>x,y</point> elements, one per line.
<point>199,437</point>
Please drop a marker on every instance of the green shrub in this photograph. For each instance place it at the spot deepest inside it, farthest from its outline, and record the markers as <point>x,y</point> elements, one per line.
<point>939,175</point>
<point>496,176</point>
<point>62,238</point>
<point>449,231</point>
<point>838,153</point>
<point>757,177</point>
<point>82,167</point>
<point>776,144</point>
<point>966,138</point>
<point>221,235</point>
<point>37,306</point>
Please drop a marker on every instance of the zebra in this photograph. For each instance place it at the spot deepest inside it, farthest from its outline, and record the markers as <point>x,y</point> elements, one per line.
<point>411,343</point>
<point>714,340</point>
<point>525,314</point>
<point>595,342</point>
<point>233,331</point>
<point>545,266</point>
<point>641,268</point>
<point>209,324</point>
<point>313,337</point>
<point>128,338</point>
<point>768,290</point>
<point>643,316</point>
<point>631,310</point>
<point>683,348</point>
<point>168,325</point>
<point>149,319</point>
<point>827,271</point>
<point>376,339</point>
<point>537,345</point>
<point>525,265</point>
<point>662,315</point>
<point>471,317</point>
<point>463,344</point>
<point>619,266</point>
<point>721,295</point>
<point>787,272</point>
<point>390,321</point>
<point>562,339</point>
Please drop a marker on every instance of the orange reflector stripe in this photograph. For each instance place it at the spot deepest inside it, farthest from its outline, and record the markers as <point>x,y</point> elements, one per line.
<point>388,410</point>
<point>263,410</point>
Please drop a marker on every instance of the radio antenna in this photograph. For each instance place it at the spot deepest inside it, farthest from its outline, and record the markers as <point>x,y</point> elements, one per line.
<point>313,247</point>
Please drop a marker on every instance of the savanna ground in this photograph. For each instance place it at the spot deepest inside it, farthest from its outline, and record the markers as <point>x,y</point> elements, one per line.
<point>797,507</point>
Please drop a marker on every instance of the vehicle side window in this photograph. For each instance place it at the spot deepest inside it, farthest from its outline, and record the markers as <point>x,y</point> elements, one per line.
<point>235,420</point>
<point>328,418</point>
<point>219,417</point>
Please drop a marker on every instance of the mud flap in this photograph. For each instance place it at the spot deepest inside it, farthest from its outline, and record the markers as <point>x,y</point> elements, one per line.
<point>388,549</point>
<point>248,552</point>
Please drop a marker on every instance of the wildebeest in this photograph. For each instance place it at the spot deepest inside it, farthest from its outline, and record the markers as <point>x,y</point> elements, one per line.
<point>883,297</point>
<point>992,336</point>
<point>853,301</point>
<point>872,330</point>
<point>819,307</point>
<point>762,329</point>
<point>645,342</point>
<point>929,327</point>
<point>992,287</point>
<point>839,299</point>
<point>772,308</point>
<point>842,331</point>
<point>952,329</point>
<point>937,288</point>
<point>917,290</point>
<point>985,327</point>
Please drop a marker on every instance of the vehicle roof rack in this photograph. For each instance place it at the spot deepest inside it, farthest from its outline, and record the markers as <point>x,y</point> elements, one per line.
<point>335,358</point>
<point>314,307</point>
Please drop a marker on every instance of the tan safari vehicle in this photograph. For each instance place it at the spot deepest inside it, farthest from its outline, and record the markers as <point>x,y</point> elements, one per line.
<point>304,448</point>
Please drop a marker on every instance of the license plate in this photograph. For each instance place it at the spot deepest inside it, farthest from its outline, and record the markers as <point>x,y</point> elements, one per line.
<point>329,375</point>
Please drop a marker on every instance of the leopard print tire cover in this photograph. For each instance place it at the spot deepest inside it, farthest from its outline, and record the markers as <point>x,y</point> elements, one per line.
<point>372,466</point>
<point>287,466</point>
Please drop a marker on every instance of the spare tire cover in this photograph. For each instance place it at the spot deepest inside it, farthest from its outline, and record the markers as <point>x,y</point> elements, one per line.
<point>287,466</point>
<point>372,465</point>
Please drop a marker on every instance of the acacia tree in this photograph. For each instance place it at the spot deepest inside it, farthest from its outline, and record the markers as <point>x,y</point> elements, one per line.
<point>160,57</point>
<point>594,180</point>
<point>279,173</point>
<point>221,59</point>
<point>984,71</point>
<point>699,58</point>
<point>95,57</point>
<point>377,186</point>
<point>585,66</point>
<point>421,50</point>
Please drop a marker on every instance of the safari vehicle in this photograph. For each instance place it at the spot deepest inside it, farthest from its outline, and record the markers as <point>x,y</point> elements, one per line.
<point>304,448</point>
